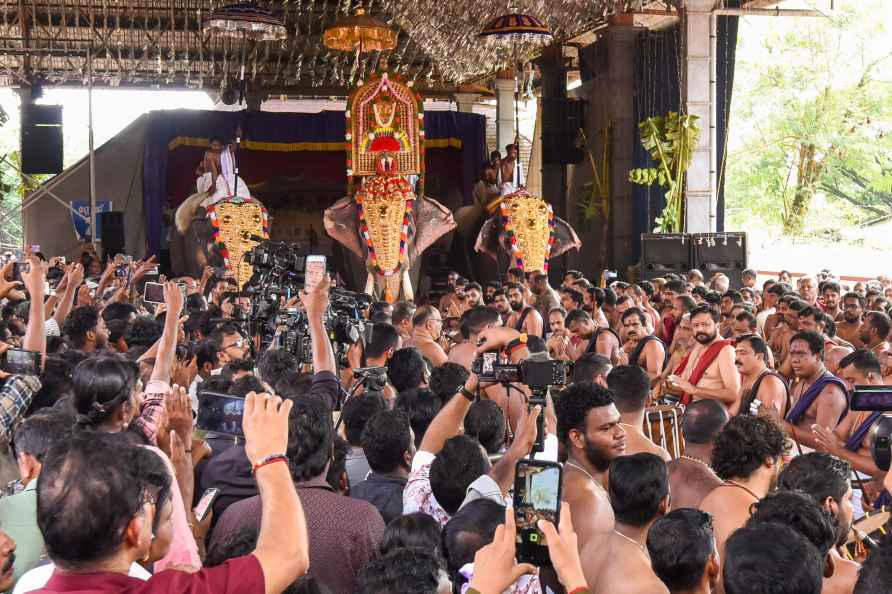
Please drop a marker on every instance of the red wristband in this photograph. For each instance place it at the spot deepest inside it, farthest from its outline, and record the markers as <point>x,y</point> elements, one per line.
<point>578,590</point>
<point>268,460</point>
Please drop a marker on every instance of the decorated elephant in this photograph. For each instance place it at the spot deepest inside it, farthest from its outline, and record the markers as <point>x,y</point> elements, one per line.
<point>384,221</point>
<point>525,228</point>
<point>387,227</point>
<point>217,223</point>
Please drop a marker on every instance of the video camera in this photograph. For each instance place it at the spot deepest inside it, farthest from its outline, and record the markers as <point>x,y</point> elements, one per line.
<point>537,372</point>
<point>877,399</point>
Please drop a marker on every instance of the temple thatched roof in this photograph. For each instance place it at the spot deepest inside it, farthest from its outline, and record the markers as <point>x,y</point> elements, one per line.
<point>160,43</point>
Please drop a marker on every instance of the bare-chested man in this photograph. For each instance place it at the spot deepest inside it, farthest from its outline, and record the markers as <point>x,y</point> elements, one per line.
<point>427,328</point>
<point>747,457</point>
<point>819,397</point>
<point>639,495</point>
<point>709,371</point>
<point>825,479</point>
<point>500,302</point>
<point>642,348</point>
<point>524,318</point>
<point>848,325</point>
<point>589,426</point>
<point>847,441</point>
<point>631,391</point>
<point>588,338</point>
<point>762,388</point>
<point>875,332</point>
<point>691,476</point>
<point>558,342</point>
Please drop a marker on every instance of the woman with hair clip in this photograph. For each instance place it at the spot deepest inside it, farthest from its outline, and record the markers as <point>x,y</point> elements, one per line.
<point>109,398</point>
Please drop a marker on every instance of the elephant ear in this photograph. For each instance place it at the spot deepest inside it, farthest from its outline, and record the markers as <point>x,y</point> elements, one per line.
<point>432,221</point>
<point>341,222</point>
<point>488,238</point>
<point>565,238</point>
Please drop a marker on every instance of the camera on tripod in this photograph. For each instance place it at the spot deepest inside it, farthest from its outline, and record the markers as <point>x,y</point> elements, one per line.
<point>533,373</point>
<point>538,373</point>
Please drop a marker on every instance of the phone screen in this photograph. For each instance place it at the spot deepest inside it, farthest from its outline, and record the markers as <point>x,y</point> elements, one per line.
<point>314,272</point>
<point>220,413</point>
<point>537,496</point>
<point>204,504</point>
<point>22,362</point>
<point>154,293</point>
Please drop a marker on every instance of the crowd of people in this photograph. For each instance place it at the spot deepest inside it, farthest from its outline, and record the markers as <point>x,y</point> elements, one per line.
<point>334,485</point>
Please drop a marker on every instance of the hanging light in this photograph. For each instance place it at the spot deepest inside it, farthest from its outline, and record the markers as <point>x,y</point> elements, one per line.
<point>360,32</point>
<point>245,20</point>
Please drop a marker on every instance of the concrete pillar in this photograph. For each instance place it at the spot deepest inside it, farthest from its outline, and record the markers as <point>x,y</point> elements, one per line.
<point>699,99</point>
<point>504,113</point>
<point>622,241</point>
<point>466,101</point>
<point>554,92</point>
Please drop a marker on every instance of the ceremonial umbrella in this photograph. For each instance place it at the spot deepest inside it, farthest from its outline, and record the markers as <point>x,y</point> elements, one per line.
<point>248,22</point>
<point>359,32</point>
<point>513,29</point>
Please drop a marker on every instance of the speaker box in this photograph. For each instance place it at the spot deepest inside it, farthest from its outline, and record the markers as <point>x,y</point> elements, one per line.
<point>561,121</point>
<point>41,139</point>
<point>662,253</point>
<point>724,253</point>
<point>111,227</point>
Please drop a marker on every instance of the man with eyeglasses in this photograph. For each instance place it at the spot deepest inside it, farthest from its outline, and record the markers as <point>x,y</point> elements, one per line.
<point>427,329</point>
<point>233,346</point>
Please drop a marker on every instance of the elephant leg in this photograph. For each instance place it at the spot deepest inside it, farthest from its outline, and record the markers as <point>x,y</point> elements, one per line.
<point>408,294</point>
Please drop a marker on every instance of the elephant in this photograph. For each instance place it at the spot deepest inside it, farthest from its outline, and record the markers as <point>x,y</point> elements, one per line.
<point>388,228</point>
<point>525,228</point>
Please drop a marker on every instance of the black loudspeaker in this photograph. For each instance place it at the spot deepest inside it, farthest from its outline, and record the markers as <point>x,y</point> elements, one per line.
<point>662,253</point>
<point>724,253</point>
<point>41,139</point>
<point>561,121</point>
<point>111,227</point>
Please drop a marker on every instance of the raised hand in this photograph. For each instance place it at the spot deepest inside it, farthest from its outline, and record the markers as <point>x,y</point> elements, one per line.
<point>494,566</point>
<point>563,550</point>
<point>265,423</point>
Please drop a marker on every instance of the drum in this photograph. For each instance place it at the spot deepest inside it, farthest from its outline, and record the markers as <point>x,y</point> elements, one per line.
<point>662,425</point>
<point>871,526</point>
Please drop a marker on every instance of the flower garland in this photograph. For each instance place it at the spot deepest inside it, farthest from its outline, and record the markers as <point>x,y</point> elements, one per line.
<point>219,244</point>
<point>404,235</point>
<point>516,252</point>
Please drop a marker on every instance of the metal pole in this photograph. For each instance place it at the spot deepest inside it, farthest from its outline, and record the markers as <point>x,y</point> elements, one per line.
<point>90,147</point>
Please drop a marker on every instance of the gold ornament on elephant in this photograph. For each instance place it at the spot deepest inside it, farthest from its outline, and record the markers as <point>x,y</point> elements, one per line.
<point>235,221</point>
<point>528,223</point>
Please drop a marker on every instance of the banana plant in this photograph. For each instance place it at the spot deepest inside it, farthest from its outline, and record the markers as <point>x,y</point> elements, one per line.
<point>670,142</point>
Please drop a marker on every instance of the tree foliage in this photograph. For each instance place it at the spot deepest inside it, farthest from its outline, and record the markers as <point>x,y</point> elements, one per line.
<point>812,110</point>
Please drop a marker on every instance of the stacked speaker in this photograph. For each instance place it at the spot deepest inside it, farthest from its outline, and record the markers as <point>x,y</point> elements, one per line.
<point>41,139</point>
<point>710,253</point>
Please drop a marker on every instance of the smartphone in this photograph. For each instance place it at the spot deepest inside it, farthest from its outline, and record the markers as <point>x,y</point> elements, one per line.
<point>154,293</point>
<point>22,362</point>
<point>62,260</point>
<point>315,270</point>
<point>35,248</point>
<point>205,503</point>
<point>220,413</point>
<point>537,496</point>
<point>24,266</point>
<point>871,398</point>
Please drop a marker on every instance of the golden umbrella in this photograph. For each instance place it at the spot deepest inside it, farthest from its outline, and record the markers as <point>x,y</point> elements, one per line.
<point>361,33</point>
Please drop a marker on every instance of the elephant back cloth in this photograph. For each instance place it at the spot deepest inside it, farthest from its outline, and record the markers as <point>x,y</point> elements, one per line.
<point>524,226</point>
